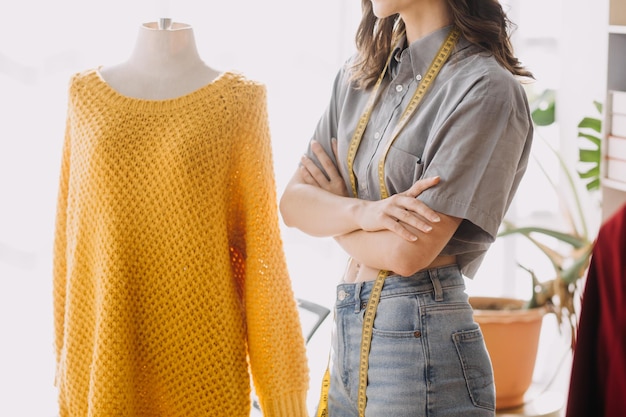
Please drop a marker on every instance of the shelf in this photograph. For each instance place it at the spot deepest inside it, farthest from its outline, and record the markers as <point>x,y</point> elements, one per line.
<point>617,29</point>
<point>613,191</point>
<point>613,184</point>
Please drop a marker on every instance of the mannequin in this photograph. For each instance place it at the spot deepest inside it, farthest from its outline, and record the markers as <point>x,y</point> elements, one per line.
<point>164,64</point>
<point>171,289</point>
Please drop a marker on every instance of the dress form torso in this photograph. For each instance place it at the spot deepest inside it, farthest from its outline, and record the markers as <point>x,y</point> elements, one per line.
<point>164,64</point>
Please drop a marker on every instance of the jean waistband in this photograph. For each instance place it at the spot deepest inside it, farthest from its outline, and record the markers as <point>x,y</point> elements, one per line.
<point>430,280</point>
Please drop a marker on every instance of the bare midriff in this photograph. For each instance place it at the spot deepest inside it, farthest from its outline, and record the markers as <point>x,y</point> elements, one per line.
<point>356,272</point>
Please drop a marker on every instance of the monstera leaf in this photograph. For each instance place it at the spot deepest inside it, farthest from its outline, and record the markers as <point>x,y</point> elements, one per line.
<point>589,131</point>
<point>543,108</point>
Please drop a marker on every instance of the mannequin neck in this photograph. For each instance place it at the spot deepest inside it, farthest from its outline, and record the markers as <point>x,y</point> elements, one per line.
<point>163,64</point>
<point>170,51</point>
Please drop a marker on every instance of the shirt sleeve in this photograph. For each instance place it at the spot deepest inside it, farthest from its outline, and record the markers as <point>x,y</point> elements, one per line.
<point>276,346</point>
<point>481,153</point>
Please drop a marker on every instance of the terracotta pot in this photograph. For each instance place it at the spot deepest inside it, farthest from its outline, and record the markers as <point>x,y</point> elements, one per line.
<point>512,337</point>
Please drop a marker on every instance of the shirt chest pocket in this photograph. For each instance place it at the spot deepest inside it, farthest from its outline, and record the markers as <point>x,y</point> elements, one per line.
<point>402,170</point>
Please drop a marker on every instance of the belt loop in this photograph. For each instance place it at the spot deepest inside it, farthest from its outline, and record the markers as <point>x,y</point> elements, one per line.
<point>434,278</point>
<point>357,297</point>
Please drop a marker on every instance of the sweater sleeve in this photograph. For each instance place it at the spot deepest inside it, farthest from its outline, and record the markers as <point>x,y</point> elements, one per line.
<point>276,345</point>
<point>59,264</point>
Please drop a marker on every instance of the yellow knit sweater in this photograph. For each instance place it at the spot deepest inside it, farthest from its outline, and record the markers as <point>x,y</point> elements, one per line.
<point>170,283</point>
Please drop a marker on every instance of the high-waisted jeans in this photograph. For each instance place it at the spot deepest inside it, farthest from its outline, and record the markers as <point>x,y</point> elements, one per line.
<point>427,357</point>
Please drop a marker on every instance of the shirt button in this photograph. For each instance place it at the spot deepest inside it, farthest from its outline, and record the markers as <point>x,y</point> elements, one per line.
<point>398,88</point>
<point>377,135</point>
<point>418,77</point>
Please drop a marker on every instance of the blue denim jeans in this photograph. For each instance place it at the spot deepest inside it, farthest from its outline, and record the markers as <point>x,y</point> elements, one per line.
<point>427,357</point>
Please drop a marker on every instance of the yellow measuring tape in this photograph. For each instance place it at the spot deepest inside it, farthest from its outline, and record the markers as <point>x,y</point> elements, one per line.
<point>372,305</point>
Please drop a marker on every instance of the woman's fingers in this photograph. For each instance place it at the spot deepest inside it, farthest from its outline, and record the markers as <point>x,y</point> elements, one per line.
<point>314,172</point>
<point>413,206</point>
<point>307,177</point>
<point>421,185</point>
<point>333,143</point>
<point>402,231</point>
<point>417,222</point>
<point>417,206</point>
<point>327,177</point>
<point>404,215</point>
<point>327,163</point>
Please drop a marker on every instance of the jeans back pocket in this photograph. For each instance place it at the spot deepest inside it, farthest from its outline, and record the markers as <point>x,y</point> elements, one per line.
<point>477,369</point>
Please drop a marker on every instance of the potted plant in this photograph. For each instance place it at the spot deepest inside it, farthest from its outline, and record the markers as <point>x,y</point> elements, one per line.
<point>511,327</point>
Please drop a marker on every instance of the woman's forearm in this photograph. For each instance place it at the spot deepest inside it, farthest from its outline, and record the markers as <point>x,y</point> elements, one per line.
<point>388,251</point>
<point>318,212</point>
<point>384,250</point>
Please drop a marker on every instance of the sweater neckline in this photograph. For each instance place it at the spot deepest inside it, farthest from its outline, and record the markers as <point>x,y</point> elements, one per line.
<point>117,99</point>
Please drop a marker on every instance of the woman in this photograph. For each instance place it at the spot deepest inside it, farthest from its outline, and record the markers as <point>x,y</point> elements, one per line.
<point>431,106</point>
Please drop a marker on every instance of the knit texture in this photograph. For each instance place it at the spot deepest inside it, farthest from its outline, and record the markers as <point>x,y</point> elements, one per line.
<point>170,283</point>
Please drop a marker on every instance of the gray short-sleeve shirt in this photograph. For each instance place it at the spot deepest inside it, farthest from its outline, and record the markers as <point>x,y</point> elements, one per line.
<point>473,129</point>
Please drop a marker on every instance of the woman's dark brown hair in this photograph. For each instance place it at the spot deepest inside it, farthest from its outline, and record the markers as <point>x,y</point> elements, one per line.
<point>482,22</point>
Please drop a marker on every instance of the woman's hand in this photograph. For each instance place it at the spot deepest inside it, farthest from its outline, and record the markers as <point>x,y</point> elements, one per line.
<point>312,175</point>
<point>399,211</point>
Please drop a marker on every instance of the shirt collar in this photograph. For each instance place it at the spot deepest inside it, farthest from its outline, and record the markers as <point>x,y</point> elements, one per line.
<point>421,52</point>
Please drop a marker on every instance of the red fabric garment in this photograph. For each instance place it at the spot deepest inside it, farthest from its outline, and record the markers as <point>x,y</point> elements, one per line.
<point>598,379</point>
